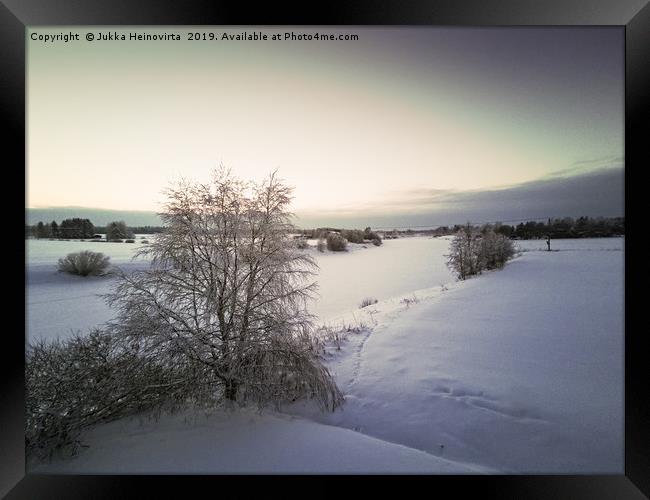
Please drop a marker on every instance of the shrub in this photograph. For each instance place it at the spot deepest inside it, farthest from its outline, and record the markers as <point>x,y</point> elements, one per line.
<point>84,263</point>
<point>368,234</point>
<point>321,245</point>
<point>144,241</point>
<point>377,242</point>
<point>368,301</point>
<point>353,235</point>
<point>114,241</point>
<point>494,250</point>
<point>407,301</point>
<point>85,380</point>
<point>302,244</point>
<point>473,251</point>
<point>129,241</point>
<point>336,242</point>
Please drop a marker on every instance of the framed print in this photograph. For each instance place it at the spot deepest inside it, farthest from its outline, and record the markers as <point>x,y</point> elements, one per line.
<point>390,243</point>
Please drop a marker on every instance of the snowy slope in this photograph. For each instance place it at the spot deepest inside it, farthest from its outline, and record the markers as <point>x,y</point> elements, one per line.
<point>243,441</point>
<point>515,371</point>
<point>519,369</point>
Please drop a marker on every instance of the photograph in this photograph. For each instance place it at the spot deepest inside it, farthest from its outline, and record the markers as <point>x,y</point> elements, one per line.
<point>325,250</point>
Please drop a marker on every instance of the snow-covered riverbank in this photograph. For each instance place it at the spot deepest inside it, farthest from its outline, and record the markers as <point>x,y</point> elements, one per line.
<point>59,303</point>
<point>515,371</point>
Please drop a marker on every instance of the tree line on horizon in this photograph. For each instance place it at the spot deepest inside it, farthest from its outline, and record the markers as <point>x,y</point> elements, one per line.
<point>566,227</point>
<point>558,228</point>
<point>78,228</point>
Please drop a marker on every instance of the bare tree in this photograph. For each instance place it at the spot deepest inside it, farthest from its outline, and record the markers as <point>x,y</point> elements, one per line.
<point>464,252</point>
<point>473,251</point>
<point>227,289</point>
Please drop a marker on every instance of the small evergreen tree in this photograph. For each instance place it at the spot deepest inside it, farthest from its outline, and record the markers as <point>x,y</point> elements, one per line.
<point>42,231</point>
<point>117,230</point>
<point>76,228</point>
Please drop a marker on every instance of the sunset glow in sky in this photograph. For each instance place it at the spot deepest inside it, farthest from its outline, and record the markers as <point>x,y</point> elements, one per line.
<point>401,115</point>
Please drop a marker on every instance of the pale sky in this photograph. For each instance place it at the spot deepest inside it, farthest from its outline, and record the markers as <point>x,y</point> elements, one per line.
<point>354,126</point>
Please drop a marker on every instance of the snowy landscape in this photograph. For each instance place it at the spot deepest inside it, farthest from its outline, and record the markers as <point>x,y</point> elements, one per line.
<point>514,371</point>
<point>387,250</point>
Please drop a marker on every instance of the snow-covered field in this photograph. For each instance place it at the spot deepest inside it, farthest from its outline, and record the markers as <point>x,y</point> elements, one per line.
<point>58,304</point>
<point>514,371</point>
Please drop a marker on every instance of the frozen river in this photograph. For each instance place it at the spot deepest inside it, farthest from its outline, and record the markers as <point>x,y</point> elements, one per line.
<point>58,304</point>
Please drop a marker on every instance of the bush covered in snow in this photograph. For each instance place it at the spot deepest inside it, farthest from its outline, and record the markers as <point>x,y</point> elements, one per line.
<point>474,251</point>
<point>84,263</point>
<point>368,301</point>
<point>336,242</point>
<point>353,235</point>
<point>302,244</point>
<point>369,234</point>
<point>85,380</point>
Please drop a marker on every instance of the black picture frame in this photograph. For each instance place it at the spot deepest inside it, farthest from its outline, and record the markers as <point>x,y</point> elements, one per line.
<point>633,15</point>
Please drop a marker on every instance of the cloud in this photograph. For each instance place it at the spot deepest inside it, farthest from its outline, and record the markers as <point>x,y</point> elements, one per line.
<point>598,192</point>
<point>587,166</point>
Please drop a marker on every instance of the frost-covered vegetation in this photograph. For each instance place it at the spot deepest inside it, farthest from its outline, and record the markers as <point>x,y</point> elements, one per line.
<point>222,308</point>
<point>475,250</point>
<point>84,263</point>
<point>423,353</point>
<point>87,379</point>
<point>336,243</point>
<point>420,378</point>
<point>368,301</point>
<point>336,240</point>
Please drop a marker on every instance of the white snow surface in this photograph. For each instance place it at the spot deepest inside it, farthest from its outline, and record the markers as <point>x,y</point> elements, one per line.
<point>243,442</point>
<point>59,304</point>
<point>516,371</point>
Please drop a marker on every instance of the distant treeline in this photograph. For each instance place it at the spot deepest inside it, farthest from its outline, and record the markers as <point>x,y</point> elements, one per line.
<point>68,228</point>
<point>135,229</point>
<point>77,228</point>
<point>351,235</point>
<point>567,227</point>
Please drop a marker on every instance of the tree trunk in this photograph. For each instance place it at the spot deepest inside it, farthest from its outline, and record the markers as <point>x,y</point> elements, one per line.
<point>231,390</point>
